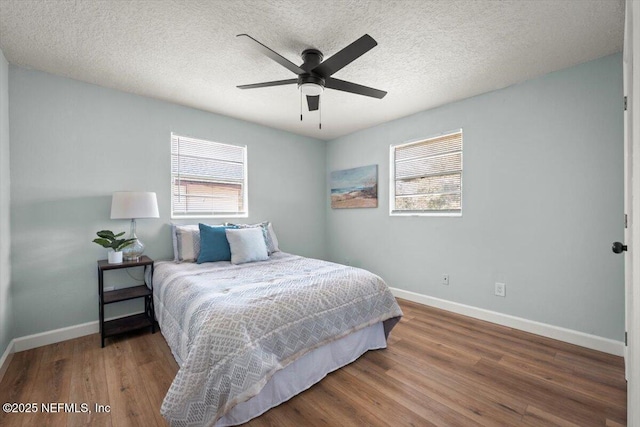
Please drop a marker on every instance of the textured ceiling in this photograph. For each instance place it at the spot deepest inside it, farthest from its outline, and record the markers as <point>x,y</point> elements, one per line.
<point>429,53</point>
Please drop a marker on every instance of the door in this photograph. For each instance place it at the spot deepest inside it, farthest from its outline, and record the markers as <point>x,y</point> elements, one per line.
<point>631,74</point>
<point>627,71</point>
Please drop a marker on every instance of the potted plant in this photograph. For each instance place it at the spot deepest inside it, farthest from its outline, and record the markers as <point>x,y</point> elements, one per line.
<point>108,240</point>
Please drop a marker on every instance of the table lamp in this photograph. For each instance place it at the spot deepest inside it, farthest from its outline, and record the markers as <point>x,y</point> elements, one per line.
<point>133,205</point>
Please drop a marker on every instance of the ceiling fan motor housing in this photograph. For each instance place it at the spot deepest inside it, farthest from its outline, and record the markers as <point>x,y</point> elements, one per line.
<point>311,58</point>
<point>310,78</point>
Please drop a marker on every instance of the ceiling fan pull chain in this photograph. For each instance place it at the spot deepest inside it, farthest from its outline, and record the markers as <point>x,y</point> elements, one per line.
<point>320,112</point>
<point>300,105</point>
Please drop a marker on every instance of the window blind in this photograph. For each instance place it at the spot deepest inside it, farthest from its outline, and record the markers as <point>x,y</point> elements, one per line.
<point>208,179</point>
<point>427,176</point>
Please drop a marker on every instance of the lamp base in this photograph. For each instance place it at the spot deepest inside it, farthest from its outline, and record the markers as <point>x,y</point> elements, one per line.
<point>135,249</point>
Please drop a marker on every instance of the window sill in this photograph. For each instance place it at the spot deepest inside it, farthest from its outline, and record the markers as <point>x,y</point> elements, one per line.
<point>209,216</point>
<point>433,214</point>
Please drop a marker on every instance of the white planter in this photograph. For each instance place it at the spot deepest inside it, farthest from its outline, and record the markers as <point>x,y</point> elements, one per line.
<point>114,257</point>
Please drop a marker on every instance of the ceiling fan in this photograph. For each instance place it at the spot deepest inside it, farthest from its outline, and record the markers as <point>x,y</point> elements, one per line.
<point>314,75</point>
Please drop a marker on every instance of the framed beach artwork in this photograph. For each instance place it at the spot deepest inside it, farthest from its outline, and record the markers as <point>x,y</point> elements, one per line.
<point>355,188</point>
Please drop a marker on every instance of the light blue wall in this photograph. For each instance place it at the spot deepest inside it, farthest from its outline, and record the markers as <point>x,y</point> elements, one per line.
<point>6,318</point>
<point>73,144</point>
<point>542,202</point>
<point>542,195</point>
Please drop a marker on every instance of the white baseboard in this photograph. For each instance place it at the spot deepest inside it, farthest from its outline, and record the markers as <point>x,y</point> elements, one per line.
<point>6,359</point>
<point>57,335</point>
<point>562,334</point>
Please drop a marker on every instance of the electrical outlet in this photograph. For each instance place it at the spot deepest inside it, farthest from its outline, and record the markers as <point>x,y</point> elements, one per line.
<point>501,289</point>
<point>445,279</point>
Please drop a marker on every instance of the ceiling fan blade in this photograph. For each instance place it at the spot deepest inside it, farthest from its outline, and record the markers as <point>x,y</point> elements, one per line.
<point>271,54</point>
<point>268,84</point>
<point>344,86</point>
<point>313,102</point>
<point>345,56</point>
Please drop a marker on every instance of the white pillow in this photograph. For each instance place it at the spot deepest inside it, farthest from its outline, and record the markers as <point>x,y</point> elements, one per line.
<point>270,238</point>
<point>186,242</point>
<point>273,246</point>
<point>247,245</point>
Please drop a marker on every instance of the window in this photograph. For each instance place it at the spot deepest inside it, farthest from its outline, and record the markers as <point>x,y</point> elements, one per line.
<point>426,176</point>
<point>208,179</point>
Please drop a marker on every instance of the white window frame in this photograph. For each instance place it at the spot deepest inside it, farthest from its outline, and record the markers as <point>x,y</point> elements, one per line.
<point>245,195</point>
<point>392,179</point>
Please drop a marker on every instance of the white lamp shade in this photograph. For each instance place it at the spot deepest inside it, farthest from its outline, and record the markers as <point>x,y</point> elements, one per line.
<point>134,204</point>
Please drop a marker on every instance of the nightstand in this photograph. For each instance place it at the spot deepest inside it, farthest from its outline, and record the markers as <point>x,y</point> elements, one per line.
<point>133,322</point>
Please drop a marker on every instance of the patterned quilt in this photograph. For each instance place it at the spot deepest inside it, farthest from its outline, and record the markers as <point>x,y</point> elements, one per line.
<point>231,327</point>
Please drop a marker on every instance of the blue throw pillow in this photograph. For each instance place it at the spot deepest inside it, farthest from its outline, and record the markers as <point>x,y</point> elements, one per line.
<point>214,245</point>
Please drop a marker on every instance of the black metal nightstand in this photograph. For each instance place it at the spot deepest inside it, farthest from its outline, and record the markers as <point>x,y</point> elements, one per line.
<point>133,322</point>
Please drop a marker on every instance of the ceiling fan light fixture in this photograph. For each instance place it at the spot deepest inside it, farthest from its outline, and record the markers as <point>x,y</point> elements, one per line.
<point>311,89</point>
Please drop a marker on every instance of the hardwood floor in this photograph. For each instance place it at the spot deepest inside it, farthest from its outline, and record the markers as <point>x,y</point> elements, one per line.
<point>440,369</point>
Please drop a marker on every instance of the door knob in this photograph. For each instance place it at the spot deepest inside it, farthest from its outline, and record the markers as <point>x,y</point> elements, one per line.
<point>618,247</point>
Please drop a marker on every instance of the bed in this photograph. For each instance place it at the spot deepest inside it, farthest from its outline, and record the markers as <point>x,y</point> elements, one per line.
<point>248,337</point>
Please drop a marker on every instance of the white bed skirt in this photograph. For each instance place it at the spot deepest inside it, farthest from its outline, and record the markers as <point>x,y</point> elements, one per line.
<point>305,372</point>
